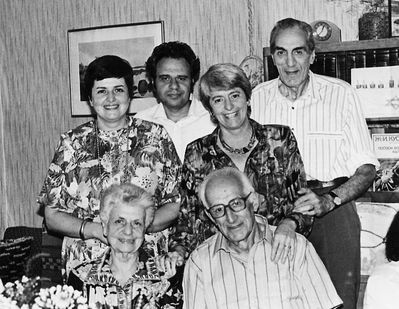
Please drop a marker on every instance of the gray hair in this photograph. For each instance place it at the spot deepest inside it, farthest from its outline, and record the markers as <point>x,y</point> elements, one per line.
<point>289,23</point>
<point>128,194</point>
<point>223,76</point>
<point>228,172</point>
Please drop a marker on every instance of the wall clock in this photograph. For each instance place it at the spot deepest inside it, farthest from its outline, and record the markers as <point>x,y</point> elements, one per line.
<point>325,31</point>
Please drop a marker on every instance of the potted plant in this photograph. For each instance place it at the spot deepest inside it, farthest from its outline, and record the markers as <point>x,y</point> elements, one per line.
<point>374,23</point>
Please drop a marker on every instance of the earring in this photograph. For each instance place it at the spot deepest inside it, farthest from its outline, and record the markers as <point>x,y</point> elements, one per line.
<point>213,118</point>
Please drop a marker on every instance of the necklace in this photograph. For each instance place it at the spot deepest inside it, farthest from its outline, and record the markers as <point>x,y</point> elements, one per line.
<point>242,150</point>
<point>116,155</point>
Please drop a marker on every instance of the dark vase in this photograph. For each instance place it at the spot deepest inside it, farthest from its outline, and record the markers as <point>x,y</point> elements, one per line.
<point>374,25</point>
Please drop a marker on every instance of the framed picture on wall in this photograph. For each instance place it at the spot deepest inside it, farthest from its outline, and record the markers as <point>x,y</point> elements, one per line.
<point>394,17</point>
<point>133,42</point>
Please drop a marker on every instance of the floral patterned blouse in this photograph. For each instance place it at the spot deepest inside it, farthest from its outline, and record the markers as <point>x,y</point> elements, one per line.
<point>88,160</point>
<point>271,166</point>
<point>147,288</point>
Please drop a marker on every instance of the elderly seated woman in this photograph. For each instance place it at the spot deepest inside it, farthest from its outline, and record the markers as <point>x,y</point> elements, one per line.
<point>128,274</point>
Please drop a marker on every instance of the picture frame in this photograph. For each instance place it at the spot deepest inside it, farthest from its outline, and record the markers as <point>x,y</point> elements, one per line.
<point>393,9</point>
<point>133,42</point>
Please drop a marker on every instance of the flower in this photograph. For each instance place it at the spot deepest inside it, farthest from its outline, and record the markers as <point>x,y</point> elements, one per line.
<point>27,294</point>
<point>387,178</point>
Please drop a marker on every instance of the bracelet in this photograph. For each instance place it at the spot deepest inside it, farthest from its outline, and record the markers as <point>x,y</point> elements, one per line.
<point>82,228</point>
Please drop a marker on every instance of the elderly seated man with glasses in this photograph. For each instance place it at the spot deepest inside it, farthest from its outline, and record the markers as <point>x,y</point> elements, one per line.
<point>233,268</point>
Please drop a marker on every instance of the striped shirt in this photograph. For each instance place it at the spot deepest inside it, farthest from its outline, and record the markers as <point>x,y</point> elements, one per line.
<point>217,277</point>
<point>327,121</point>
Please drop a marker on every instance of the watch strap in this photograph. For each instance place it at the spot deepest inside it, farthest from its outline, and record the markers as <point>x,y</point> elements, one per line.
<point>336,198</point>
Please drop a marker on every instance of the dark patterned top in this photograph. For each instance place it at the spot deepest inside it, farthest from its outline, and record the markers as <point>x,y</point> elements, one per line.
<point>147,288</point>
<point>273,163</point>
<point>84,164</point>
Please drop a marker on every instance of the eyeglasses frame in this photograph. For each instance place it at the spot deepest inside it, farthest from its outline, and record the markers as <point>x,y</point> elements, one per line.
<point>244,199</point>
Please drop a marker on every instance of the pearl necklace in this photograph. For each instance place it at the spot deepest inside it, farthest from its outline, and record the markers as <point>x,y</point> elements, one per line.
<point>242,150</point>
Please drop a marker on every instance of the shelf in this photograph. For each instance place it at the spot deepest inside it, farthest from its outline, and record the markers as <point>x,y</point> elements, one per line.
<point>350,46</point>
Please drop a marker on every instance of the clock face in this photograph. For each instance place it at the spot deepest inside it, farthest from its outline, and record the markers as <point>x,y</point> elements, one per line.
<point>322,31</point>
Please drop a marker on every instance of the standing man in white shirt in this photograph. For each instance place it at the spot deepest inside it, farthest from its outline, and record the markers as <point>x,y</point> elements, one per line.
<point>173,69</point>
<point>326,117</point>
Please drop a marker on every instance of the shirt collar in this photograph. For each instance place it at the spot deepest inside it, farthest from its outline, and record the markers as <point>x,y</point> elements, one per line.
<point>264,231</point>
<point>313,89</point>
<point>159,112</point>
<point>196,110</point>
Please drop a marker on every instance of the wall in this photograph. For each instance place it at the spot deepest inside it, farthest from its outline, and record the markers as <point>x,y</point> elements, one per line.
<point>34,91</point>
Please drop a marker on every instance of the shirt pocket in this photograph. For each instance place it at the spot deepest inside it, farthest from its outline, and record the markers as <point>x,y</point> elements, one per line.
<point>325,139</point>
<point>325,134</point>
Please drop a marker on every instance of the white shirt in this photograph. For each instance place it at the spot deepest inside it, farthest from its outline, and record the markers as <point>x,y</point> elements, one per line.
<point>383,287</point>
<point>196,124</point>
<point>217,277</point>
<point>327,121</point>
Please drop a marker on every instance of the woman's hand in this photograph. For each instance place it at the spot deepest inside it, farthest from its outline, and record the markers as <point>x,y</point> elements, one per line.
<point>95,230</point>
<point>284,241</point>
<point>166,265</point>
<point>178,255</point>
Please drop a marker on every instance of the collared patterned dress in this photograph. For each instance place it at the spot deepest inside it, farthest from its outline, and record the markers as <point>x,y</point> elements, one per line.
<point>146,289</point>
<point>88,160</point>
<point>272,164</point>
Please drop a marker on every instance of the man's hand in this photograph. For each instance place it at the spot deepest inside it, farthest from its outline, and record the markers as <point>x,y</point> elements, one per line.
<point>311,204</point>
<point>284,241</point>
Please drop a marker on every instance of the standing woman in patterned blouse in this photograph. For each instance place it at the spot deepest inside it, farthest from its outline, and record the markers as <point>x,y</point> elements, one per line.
<point>267,154</point>
<point>113,148</point>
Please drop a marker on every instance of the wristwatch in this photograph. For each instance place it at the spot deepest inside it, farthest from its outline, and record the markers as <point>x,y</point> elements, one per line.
<point>336,199</point>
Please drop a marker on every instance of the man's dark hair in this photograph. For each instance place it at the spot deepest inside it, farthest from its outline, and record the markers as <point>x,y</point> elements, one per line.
<point>392,240</point>
<point>108,66</point>
<point>174,50</point>
<point>289,23</point>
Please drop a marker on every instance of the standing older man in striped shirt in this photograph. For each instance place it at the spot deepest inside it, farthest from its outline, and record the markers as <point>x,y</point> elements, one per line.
<point>326,117</point>
<point>233,268</point>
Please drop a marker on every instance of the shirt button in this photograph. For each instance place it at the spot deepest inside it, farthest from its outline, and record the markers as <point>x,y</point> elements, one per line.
<point>292,107</point>
<point>292,129</point>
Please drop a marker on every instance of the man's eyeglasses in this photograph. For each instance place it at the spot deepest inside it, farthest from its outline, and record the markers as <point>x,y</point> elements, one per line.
<point>237,204</point>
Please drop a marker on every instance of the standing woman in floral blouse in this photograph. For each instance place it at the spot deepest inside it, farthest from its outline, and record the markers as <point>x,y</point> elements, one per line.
<point>113,148</point>
<point>267,154</point>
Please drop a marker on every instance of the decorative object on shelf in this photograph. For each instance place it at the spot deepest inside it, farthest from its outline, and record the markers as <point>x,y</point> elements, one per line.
<point>252,65</point>
<point>133,42</point>
<point>374,23</point>
<point>394,17</point>
<point>325,31</point>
